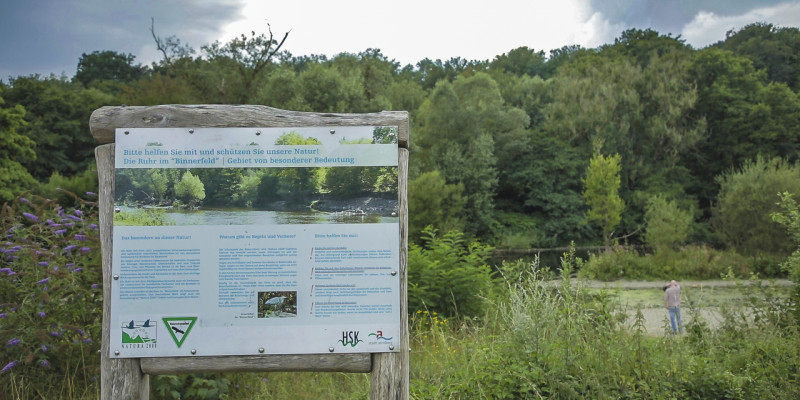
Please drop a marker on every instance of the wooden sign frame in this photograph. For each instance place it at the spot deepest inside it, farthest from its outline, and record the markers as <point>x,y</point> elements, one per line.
<point>129,378</point>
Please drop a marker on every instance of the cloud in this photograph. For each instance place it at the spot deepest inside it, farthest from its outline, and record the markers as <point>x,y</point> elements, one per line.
<point>48,36</point>
<point>708,27</point>
<point>416,29</point>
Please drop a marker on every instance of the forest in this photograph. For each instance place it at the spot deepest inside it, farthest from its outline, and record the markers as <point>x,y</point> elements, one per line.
<point>675,162</point>
<point>501,149</point>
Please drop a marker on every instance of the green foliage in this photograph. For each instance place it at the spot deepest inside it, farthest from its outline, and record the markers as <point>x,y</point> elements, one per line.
<point>432,201</point>
<point>50,294</point>
<point>15,149</point>
<point>746,116</point>
<point>190,387</point>
<point>789,217</point>
<point>771,48</point>
<point>107,66</point>
<point>448,274</point>
<point>60,188</point>
<point>602,194</point>
<point>667,225</point>
<point>141,217</point>
<point>190,189</point>
<point>691,262</point>
<point>57,120</point>
<point>747,198</point>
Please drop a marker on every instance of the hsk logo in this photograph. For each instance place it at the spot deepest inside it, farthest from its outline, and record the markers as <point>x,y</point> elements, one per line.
<point>350,338</point>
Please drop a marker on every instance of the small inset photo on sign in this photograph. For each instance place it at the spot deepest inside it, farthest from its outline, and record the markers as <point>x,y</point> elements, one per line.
<point>277,304</point>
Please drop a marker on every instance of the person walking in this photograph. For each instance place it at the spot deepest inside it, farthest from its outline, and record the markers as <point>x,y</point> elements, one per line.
<point>672,302</point>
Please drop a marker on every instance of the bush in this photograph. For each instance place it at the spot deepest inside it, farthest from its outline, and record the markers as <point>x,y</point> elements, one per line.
<point>50,295</point>
<point>447,274</point>
<point>691,262</point>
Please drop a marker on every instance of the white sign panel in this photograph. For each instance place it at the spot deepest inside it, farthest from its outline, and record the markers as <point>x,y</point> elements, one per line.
<point>238,241</point>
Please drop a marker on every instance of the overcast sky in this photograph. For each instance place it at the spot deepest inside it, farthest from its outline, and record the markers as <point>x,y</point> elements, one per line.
<point>49,36</point>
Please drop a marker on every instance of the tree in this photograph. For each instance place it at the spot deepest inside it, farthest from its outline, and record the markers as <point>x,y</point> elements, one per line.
<point>747,198</point>
<point>667,225</point>
<point>190,189</point>
<point>57,120</point>
<point>745,115</point>
<point>432,201</point>
<point>602,194</point>
<point>15,148</point>
<point>773,49</point>
<point>520,61</point>
<point>107,66</point>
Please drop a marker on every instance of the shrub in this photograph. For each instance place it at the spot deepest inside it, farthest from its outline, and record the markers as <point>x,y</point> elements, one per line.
<point>691,262</point>
<point>447,274</point>
<point>50,293</point>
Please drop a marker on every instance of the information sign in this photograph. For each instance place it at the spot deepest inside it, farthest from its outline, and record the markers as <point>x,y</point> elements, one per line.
<point>239,241</point>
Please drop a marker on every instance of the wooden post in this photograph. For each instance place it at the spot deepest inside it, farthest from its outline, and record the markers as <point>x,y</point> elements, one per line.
<point>127,378</point>
<point>120,378</point>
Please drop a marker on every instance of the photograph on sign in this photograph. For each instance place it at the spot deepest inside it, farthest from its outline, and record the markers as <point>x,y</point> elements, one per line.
<point>235,241</point>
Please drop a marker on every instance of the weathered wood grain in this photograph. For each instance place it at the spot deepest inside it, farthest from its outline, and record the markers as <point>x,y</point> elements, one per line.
<point>120,378</point>
<point>357,362</point>
<point>105,120</point>
<point>390,371</point>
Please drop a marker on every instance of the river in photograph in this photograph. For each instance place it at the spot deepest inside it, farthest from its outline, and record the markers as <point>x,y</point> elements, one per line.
<point>249,216</point>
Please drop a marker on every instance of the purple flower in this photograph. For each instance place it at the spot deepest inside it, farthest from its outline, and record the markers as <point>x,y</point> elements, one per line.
<point>12,249</point>
<point>70,247</point>
<point>87,340</point>
<point>8,366</point>
<point>3,315</point>
<point>13,342</point>
<point>43,281</point>
<point>77,270</point>
<point>7,270</point>
<point>44,348</point>
<point>80,237</point>
<point>86,249</point>
<point>44,363</point>
<point>70,225</point>
<point>93,226</point>
<point>31,217</point>
<point>69,265</point>
<point>42,314</point>
<point>91,194</point>
<point>74,218</point>
<point>55,334</point>
<point>60,231</point>
<point>43,264</point>
<point>78,212</point>
<point>24,200</point>
<point>60,211</point>
<point>81,332</point>
<point>95,286</point>
<point>52,223</point>
<point>55,268</point>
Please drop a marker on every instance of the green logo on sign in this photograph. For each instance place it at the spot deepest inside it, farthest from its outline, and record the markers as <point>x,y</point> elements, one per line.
<point>179,328</point>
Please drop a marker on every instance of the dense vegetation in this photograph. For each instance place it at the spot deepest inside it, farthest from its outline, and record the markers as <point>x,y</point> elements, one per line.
<point>501,149</point>
<point>646,141</point>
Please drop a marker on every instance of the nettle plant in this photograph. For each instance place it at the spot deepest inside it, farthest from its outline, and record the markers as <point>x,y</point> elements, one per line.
<point>50,287</point>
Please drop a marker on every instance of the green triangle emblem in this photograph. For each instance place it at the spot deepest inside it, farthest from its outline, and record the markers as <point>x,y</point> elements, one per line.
<point>179,327</point>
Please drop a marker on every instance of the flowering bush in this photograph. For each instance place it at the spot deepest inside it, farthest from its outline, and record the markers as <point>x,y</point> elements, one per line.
<point>50,293</point>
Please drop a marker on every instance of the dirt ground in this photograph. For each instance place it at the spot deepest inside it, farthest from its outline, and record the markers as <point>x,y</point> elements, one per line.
<point>656,316</point>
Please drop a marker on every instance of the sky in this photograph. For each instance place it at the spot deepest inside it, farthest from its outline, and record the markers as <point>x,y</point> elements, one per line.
<point>48,36</point>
